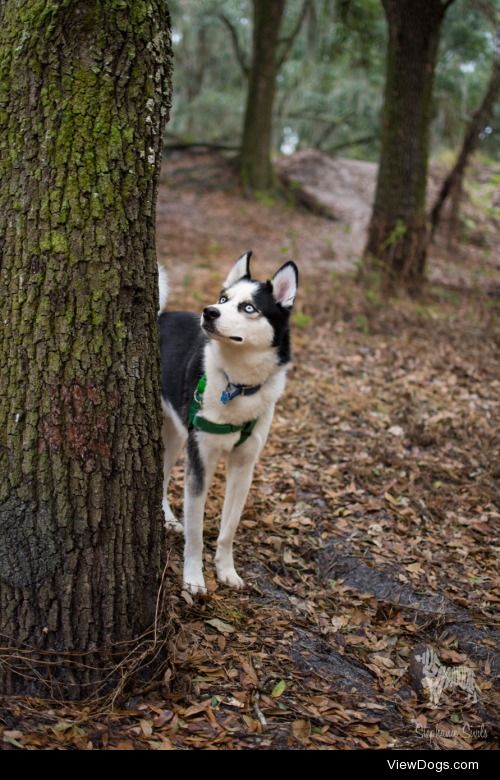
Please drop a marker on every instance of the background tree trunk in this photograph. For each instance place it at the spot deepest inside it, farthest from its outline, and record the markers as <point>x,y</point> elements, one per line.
<point>256,168</point>
<point>452,186</point>
<point>84,95</point>
<point>397,236</point>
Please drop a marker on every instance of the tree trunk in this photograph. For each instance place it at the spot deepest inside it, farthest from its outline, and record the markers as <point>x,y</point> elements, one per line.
<point>452,185</point>
<point>397,236</point>
<point>256,168</point>
<point>84,95</point>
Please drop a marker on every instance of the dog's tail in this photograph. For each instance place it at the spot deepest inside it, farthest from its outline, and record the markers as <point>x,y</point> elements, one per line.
<point>162,288</point>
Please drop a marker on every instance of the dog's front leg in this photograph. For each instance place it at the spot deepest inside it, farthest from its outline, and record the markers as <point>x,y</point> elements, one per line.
<point>199,473</point>
<point>240,465</point>
<point>239,478</point>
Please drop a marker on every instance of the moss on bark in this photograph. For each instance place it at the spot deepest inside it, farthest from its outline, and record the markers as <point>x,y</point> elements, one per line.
<point>84,95</point>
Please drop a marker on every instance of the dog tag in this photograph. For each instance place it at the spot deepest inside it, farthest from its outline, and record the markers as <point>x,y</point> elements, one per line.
<point>225,397</point>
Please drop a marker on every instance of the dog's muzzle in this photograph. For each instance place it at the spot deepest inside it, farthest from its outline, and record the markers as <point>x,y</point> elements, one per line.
<point>210,313</point>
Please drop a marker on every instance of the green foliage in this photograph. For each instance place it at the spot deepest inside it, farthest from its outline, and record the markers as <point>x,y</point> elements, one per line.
<point>265,198</point>
<point>300,319</point>
<point>465,57</point>
<point>362,324</point>
<point>330,88</point>
<point>395,235</point>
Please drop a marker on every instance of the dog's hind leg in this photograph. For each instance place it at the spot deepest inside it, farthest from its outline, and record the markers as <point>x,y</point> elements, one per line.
<point>174,438</point>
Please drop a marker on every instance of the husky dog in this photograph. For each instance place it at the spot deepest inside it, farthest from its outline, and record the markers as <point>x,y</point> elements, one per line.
<point>221,377</point>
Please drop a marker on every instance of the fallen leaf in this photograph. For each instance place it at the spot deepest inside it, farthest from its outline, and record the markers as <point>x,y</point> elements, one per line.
<point>220,625</point>
<point>278,689</point>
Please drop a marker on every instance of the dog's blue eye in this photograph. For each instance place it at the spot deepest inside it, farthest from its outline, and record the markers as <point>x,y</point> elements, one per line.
<point>222,299</point>
<point>249,308</point>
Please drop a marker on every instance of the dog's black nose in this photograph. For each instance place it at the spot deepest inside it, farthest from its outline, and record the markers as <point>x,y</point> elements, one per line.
<point>211,313</point>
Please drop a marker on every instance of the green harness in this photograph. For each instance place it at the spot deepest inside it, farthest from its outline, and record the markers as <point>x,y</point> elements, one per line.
<point>197,421</point>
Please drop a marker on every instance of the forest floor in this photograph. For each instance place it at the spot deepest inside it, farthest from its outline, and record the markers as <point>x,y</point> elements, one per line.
<point>367,543</point>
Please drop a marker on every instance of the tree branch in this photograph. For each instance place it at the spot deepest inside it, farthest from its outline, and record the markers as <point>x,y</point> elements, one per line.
<point>236,43</point>
<point>346,144</point>
<point>488,11</point>
<point>288,42</point>
<point>200,146</point>
<point>174,142</point>
<point>330,128</point>
<point>311,117</point>
<point>471,141</point>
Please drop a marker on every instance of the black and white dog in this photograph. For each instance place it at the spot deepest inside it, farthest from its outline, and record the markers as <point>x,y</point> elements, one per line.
<point>220,383</point>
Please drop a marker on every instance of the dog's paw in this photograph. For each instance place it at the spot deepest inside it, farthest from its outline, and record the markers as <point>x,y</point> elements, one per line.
<point>229,577</point>
<point>174,526</point>
<point>194,583</point>
<point>171,522</point>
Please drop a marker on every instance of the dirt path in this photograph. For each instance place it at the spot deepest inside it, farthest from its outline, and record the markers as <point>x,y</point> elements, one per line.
<point>203,219</point>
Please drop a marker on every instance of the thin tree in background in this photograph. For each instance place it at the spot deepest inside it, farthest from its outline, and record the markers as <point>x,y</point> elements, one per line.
<point>398,231</point>
<point>452,186</point>
<point>84,95</point>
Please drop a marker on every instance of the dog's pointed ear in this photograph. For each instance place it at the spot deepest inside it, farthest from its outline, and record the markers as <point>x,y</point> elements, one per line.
<point>240,270</point>
<point>284,283</point>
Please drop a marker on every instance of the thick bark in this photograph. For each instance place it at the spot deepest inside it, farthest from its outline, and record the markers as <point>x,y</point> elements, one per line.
<point>84,94</point>
<point>397,236</point>
<point>256,167</point>
<point>452,185</point>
